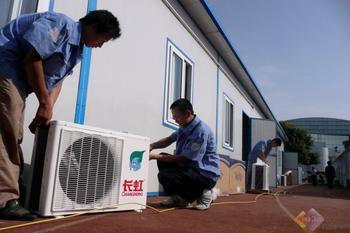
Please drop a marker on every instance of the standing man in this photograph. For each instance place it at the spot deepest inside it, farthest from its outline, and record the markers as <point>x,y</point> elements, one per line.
<point>261,150</point>
<point>37,51</point>
<point>193,171</point>
<point>330,174</point>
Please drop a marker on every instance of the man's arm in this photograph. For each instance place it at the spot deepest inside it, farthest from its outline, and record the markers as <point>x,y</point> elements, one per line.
<point>35,75</point>
<point>263,156</point>
<point>162,143</point>
<point>56,92</point>
<point>194,150</point>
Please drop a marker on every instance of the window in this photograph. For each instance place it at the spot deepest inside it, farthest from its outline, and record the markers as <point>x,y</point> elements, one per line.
<point>228,124</point>
<point>6,12</point>
<point>11,9</point>
<point>179,79</point>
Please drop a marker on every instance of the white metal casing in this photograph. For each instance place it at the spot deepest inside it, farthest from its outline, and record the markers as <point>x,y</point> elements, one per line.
<point>283,180</point>
<point>127,184</point>
<point>264,175</point>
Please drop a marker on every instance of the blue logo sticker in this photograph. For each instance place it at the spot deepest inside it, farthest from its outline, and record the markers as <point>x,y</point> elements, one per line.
<point>135,160</point>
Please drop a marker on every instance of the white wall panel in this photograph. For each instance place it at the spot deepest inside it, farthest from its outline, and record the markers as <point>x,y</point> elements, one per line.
<point>240,104</point>
<point>127,76</point>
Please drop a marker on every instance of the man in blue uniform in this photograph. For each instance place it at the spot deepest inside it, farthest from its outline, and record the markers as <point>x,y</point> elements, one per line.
<point>37,51</point>
<point>193,171</point>
<point>261,150</point>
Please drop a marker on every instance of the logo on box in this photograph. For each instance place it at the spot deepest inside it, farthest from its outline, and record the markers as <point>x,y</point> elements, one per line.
<point>135,160</point>
<point>133,188</point>
<point>310,220</point>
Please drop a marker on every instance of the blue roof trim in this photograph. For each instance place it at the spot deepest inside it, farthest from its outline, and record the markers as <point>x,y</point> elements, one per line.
<point>206,6</point>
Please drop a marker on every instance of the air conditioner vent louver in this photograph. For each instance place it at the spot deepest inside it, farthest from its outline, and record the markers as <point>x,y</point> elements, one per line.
<point>89,168</point>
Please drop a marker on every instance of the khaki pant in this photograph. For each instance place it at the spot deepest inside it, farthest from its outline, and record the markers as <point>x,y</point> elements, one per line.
<point>12,104</point>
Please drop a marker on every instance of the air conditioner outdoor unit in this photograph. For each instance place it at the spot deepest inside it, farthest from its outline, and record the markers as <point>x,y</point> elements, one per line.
<point>260,177</point>
<point>283,180</point>
<point>78,168</point>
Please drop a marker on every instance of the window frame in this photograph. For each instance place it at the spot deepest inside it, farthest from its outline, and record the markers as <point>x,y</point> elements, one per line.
<point>231,133</point>
<point>12,9</point>
<point>186,80</point>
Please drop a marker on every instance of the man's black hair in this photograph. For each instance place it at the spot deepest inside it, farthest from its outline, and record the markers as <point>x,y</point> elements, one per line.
<point>183,105</point>
<point>278,141</point>
<point>105,22</point>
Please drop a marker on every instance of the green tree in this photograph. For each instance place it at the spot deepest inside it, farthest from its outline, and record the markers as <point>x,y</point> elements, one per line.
<point>301,142</point>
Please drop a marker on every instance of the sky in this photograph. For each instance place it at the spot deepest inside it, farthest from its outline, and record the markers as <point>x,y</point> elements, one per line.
<point>296,51</point>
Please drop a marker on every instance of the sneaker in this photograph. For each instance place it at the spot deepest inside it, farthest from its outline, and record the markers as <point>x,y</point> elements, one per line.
<point>14,211</point>
<point>175,201</point>
<point>203,203</point>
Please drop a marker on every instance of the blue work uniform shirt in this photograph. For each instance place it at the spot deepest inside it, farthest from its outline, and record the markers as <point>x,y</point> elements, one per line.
<point>260,147</point>
<point>196,142</point>
<point>54,36</point>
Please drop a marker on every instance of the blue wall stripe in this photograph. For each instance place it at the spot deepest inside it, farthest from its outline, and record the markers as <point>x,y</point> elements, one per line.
<point>84,77</point>
<point>217,104</point>
<point>51,5</point>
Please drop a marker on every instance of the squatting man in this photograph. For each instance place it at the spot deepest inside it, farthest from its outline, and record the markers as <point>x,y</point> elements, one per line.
<point>191,173</point>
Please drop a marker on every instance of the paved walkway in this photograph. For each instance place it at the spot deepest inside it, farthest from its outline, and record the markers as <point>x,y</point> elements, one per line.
<point>264,216</point>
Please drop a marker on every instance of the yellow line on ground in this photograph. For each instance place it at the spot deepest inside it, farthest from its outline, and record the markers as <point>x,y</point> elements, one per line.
<point>97,210</point>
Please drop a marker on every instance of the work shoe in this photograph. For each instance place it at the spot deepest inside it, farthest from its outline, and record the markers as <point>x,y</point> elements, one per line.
<point>175,201</point>
<point>205,200</point>
<point>14,211</point>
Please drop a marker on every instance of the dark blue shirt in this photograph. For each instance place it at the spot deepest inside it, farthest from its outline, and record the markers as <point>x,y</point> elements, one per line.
<point>260,147</point>
<point>54,36</point>
<point>196,142</point>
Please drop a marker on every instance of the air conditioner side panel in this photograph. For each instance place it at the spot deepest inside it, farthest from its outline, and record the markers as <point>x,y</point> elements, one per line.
<point>266,178</point>
<point>259,174</point>
<point>134,178</point>
<point>50,170</point>
<point>37,164</point>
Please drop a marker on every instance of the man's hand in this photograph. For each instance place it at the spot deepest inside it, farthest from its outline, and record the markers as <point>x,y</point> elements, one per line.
<point>154,156</point>
<point>263,156</point>
<point>43,115</point>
